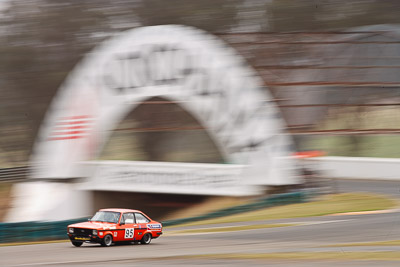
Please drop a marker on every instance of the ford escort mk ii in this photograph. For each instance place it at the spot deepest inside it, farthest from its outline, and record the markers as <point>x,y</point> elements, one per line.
<point>109,226</point>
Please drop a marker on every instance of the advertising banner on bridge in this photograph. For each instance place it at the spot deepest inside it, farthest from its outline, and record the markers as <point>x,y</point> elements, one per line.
<point>168,177</point>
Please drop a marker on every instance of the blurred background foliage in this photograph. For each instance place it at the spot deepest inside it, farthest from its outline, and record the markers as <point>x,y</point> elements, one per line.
<point>42,40</point>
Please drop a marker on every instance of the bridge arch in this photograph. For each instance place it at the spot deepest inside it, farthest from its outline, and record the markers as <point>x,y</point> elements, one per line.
<point>184,65</point>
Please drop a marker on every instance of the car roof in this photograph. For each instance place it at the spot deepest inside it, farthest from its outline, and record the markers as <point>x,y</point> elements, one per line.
<point>120,210</point>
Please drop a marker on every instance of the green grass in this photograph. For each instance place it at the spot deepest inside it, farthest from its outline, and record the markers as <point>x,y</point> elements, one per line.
<point>331,204</point>
<point>233,228</point>
<point>209,205</point>
<point>368,244</point>
<point>5,192</point>
<point>339,256</point>
<point>381,146</point>
<point>358,145</point>
<point>33,242</point>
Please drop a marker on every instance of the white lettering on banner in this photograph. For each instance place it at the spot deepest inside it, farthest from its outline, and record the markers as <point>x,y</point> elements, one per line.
<point>163,177</point>
<point>207,84</point>
<point>182,64</point>
<point>131,175</point>
<point>153,65</point>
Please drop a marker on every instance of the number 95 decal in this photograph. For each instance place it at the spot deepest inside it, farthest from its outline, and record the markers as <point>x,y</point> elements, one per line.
<point>129,232</point>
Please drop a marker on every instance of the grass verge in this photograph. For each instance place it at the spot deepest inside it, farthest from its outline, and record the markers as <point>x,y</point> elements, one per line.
<point>367,244</point>
<point>233,228</point>
<point>209,205</point>
<point>5,191</point>
<point>326,205</point>
<point>382,256</point>
<point>33,242</point>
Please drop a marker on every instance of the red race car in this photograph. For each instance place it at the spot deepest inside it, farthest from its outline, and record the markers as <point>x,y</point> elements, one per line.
<point>108,226</point>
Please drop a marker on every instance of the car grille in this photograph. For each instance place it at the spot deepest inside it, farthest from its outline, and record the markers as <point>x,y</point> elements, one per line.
<point>82,232</point>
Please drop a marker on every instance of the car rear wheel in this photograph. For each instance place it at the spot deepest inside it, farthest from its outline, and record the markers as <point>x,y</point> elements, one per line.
<point>77,244</point>
<point>146,239</point>
<point>107,241</point>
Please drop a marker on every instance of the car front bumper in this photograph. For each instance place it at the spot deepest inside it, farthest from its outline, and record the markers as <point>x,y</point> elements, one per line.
<point>78,238</point>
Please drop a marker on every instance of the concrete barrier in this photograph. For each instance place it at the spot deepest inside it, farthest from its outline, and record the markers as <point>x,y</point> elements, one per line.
<point>357,167</point>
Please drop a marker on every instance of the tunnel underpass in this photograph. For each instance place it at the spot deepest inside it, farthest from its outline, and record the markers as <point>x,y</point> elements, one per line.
<point>157,130</point>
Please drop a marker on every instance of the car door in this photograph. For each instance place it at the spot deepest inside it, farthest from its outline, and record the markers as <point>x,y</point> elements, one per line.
<point>141,222</point>
<point>128,225</point>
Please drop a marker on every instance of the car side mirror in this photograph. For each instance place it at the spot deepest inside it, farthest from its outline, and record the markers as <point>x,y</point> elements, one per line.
<point>121,223</point>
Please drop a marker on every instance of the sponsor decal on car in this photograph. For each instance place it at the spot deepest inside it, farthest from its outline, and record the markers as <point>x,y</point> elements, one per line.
<point>82,238</point>
<point>154,226</point>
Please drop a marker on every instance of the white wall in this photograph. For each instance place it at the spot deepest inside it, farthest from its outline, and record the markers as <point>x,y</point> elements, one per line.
<point>358,168</point>
<point>48,201</point>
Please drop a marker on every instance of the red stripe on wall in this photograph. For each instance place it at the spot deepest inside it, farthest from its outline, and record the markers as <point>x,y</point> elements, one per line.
<point>66,137</point>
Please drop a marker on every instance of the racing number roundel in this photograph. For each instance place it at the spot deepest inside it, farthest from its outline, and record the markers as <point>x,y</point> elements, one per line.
<point>129,232</point>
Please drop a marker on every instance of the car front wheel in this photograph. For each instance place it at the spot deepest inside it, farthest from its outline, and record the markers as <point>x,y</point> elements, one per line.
<point>107,241</point>
<point>146,239</point>
<point>77,244</point>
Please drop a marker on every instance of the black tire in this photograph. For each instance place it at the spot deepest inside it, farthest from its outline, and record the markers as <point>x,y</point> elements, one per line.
<point>146,239</point>
<point>107,241</point>
<point>76,243</point>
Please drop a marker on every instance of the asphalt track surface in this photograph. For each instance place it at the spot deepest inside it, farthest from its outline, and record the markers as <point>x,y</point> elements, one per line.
<point>177,249</point>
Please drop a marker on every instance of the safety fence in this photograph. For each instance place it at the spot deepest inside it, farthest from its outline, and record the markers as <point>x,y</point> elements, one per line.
<point>35,231</point>
<point>57,230</point>
<point>13,174</point>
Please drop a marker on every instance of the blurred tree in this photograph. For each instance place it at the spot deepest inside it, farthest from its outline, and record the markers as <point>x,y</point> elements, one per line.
<point>36,51</point>
<point>325,15</point>
<point>340,14</point>
<point>289,15</point>
<point>209,15</point>
<point>42,40</point>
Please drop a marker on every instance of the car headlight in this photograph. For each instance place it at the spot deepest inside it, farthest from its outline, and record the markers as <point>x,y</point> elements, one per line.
<point>71,230</point>
<point>94,232</point>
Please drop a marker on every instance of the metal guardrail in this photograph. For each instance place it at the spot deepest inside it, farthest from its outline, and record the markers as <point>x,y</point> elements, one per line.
<point>36,231</point>
<point>13,174</point>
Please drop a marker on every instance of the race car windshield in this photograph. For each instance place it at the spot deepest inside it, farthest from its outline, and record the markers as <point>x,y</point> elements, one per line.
<point>106,216</point>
